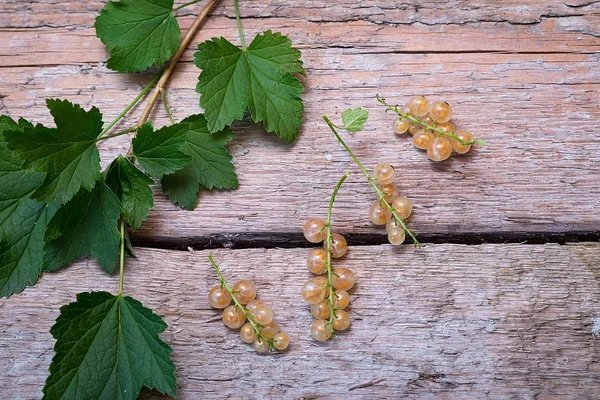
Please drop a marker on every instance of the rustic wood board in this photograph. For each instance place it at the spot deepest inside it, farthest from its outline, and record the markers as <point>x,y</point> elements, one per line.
<point>524,78</point>
<point>445,321</point>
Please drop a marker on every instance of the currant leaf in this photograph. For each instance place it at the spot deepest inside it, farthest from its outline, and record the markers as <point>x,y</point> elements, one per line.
<point>354,120</point>
<point>132,188</point>
<point>159,152</point>
<point>138,33</point>
<point>86,224</point>
<point>211,165</point>
<point>107,347</point>
<point>67,153</point>
<point>258,78</point>
<point>22,220</point>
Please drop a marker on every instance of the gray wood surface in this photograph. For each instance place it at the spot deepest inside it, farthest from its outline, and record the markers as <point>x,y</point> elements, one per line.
<point>446,321</point>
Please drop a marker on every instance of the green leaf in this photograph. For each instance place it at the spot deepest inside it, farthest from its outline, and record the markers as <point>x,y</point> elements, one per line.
<point>67,153</point>
<point>159,152</point>
<point>138,33</point>
<point>132,188</point>
<point>354,120</point>
<point>258,78</point>
<point>107,347</point>
<point>211,165</point>
<point>22,220</point>
<point>86,224</point>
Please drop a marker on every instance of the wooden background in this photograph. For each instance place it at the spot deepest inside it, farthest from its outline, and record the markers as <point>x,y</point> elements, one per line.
<point>503,302</point>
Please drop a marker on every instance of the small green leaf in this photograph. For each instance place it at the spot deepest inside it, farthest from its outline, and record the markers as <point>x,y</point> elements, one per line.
<point>22,220</point>
<point>107,347</point>
<point>86,224</point>
<point>132,187</point>
<point>159,152</point>
<point>138,33</point>
<point>258,78</point>
<point>354,120</point>
<point>211,165</point>
<point>67,153</point>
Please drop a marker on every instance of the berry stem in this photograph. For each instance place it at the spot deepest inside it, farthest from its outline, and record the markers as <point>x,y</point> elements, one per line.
<point>239,23</point>
<point>123,132</point>
<point>328,247</point>
<point>417,120</point>
<point>163,97</point>
<point>239,305</point>
<point>186,5</point>
<point>372,182</point>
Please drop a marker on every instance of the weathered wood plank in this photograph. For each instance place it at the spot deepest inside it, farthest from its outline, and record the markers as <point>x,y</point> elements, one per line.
<point>446,321</point>
<point>530,90</point>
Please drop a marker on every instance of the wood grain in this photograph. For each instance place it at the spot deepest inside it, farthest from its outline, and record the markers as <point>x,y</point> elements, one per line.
<point>524,78</point>
<point>446,321</point>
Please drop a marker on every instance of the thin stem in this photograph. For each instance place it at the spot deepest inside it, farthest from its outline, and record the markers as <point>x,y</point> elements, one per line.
<point>164,101</point>
<point>239,305</point>
<point>130,106</point>
<point>380,194</point>
<point>239,23</point>
<point>125,132</point>
<point>435,129</point>
<point>328,247</point>
<point>186,5</point>
<point>122,255</point>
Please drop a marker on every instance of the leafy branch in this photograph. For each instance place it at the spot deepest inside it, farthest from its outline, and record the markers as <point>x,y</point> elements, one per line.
<point>353,122</point>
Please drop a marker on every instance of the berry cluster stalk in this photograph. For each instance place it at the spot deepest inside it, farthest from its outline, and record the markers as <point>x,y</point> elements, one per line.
<point>245,311</point>
<point>328,249</point>
<point>371,180</point>
<point>433,128</point>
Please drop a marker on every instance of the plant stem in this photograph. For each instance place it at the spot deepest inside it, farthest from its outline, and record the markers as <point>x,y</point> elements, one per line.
<point>328,247</point>
<point>239,23</point>
<point>122,255</point>
<point>130,106</point>
<point>171,66</point>
<point>125,132</point>
<point>372,182</point>
<point>186,5</point>
<point>239,305</point>
<point>164,101</point>
<point>435,129</point>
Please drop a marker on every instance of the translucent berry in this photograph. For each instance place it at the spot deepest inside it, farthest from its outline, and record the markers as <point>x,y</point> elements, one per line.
<point>281,341</point>
<point>316,261</point>
<point>219,298</point>
<point>341,320</point>
<point>341,299</point>
<point>247,333</point>
<point>384,173</point>
<point>400,125</point>
<point>269,330</point>
<point>313,290</point>
<point>260,345</point>
<point>233,317</point>
<point>321,310</point>
<point>403,207</point>
<point>392,224</point>
<point>379,213</point>
<point>419,106</point>
<point>244,291</point>
<point>440,111</point>
<point>414,127</point>
<point>446,127</point>
<point>320,331</point>
<point>458,146</point>
<point>390,191</point>
<point>314,230</point>
<point>263,314</point>
<point>338,246</point>
<point>253,305</point>
<point>423,138</point>
<point>440,149</point>
<point>396,236</point>
<point>427,119</point>
<point>342,279</point>
<point>404,109</point>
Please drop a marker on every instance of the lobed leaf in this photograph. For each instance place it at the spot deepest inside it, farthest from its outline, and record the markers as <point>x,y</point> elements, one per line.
<point>354,120</point>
